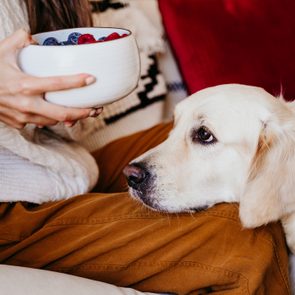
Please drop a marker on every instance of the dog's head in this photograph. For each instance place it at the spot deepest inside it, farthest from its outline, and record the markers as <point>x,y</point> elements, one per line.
<point>230,143</point>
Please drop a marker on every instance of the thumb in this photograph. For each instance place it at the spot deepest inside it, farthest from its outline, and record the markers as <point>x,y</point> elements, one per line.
<point>16,41</point>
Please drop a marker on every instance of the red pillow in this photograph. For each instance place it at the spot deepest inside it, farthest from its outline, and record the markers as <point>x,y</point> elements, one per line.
<point>233,41</point>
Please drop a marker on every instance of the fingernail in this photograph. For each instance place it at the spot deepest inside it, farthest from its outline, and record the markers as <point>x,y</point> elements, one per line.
<point>98,111</point>
<point>69,123</point>
<point>92,113</point>
<point>95,112</point>
<point>32,40</point>
<point>89,80</point>
<point>40,126</point>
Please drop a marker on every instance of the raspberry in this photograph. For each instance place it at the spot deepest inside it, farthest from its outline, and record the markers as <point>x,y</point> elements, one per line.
<point>112,36</point>
<point>86,39</point>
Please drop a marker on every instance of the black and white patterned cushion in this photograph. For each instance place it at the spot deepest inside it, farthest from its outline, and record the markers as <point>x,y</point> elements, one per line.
<point>151,86</point>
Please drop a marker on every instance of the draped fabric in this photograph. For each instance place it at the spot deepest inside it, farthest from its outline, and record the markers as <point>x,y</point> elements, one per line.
<point>233,41</point>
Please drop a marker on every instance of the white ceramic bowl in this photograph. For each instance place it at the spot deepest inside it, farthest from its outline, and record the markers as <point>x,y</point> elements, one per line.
<point>115,64</point>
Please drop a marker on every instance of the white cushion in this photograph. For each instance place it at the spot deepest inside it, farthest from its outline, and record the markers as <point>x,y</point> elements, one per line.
<point>15,280</point>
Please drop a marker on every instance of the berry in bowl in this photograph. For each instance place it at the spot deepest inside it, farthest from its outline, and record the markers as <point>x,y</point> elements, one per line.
<point>109,54</point>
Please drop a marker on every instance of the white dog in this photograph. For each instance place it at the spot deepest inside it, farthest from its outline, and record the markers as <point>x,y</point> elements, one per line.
<point>230,143</point>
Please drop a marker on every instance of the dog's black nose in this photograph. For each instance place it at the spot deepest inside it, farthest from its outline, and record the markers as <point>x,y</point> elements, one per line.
<point>136,174</point>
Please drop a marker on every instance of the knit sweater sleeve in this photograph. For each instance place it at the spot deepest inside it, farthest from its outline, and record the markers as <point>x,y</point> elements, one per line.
<point>13,16</point>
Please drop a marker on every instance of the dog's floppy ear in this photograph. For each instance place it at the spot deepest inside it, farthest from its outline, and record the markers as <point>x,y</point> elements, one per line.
<point>271,183</point>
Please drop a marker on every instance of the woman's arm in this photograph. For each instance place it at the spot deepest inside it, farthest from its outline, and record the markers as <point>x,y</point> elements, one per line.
<point>21,95</point>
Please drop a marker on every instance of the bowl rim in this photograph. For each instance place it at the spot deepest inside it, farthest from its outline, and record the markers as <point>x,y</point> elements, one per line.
<point>74,45</point>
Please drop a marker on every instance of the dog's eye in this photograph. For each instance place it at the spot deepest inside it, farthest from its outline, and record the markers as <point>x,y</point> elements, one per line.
<point>203,136</point>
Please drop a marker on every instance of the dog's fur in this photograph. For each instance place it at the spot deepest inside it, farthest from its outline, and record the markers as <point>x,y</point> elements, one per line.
<point>249,159</point>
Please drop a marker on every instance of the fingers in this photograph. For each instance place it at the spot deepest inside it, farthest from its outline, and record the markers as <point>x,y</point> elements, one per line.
<point>11,122</point>
<point>19,119</point>
<point>70,123</point>
<point>36,105</point>
<point>57,112</point>
<point>16,41</point>
<point>30,85</point>
<point>40,121</point>
<point>93,113</point>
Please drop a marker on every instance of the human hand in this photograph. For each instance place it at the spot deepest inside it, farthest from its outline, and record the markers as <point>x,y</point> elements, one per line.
<point>21,95</point>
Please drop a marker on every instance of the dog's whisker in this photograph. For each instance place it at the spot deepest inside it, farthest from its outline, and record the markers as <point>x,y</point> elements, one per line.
<point>192,215</point>
<point>169,218</point>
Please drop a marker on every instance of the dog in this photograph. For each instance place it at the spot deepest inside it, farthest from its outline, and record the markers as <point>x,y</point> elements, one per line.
<point>229,143</point>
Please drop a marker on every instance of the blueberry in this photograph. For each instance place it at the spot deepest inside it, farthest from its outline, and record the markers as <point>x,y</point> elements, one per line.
<point>101,39</point>
<point>73,38</point>
<point>50,41</point>
<point>66,43</point>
